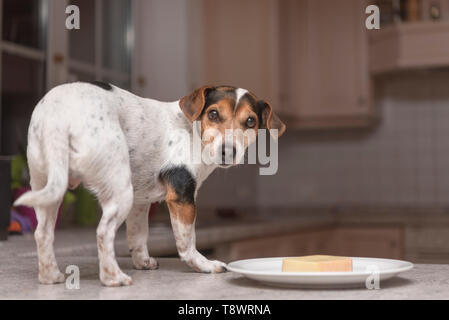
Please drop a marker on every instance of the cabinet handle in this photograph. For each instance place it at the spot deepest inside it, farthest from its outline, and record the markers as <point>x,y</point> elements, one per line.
<point>141,81</point>
<point>58,58</point>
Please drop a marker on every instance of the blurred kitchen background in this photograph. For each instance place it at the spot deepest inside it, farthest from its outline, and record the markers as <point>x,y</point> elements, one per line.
<point>363,165</point>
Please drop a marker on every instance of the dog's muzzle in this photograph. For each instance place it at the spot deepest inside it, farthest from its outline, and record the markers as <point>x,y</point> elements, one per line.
<point>228,155</point>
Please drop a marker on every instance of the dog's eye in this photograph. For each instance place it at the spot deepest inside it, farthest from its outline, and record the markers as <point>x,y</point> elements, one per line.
<point>213,115</point>
<point>250,122</point>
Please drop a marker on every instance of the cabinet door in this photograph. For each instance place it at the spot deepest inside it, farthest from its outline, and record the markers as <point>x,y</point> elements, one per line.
<point>324,73</point>
<point>307,242</point>
<point>351,241</point>
<point>369,241</point>
<point>240,45</point>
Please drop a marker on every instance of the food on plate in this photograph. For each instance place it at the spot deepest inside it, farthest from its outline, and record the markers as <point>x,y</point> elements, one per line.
<point>317,263</point>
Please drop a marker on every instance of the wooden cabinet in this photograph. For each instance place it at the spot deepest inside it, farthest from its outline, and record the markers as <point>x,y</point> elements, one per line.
<point>428,243</point>
<point>324,80</point>
<point>307,57</point>
<point>239,45</point>
<point>294,244</point>
<point>355,241</point>
<point>413,45</point>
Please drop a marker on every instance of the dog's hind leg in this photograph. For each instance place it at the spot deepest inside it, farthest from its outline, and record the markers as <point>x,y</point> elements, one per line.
<point>48,164</point>
<point>44,235</point>
<point>137,234</point>
<point>110,180</point>
<point>115,210</point>
<point>113,217</point>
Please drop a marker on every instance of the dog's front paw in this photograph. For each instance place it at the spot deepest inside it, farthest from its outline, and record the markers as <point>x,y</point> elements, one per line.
<point>201,264</point>
<point>116,280</point>
<point>51,277</point>
<point>218,266</point>
<point>148,263</point>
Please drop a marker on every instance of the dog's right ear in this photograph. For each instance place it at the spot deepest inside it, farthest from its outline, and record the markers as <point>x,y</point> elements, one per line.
<point>192,105</point>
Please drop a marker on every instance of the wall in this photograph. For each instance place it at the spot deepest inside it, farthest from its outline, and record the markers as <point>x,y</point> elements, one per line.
<point>403,162</point>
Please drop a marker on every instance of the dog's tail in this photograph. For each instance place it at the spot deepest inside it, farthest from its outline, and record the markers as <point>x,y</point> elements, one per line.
<point>55,151</point>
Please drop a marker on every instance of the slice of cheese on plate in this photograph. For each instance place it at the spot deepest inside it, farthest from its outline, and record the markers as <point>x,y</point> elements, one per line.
<point>317,263</point>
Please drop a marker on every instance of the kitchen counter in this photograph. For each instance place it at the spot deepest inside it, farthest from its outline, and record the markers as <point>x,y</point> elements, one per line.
<point>174,280</point>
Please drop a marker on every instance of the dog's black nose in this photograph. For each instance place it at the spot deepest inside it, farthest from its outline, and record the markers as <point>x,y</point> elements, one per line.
<point>226,156</point>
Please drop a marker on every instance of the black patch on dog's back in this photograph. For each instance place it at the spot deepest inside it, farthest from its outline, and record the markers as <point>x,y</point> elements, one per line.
<point>102,85</point>
<point>182,181</point>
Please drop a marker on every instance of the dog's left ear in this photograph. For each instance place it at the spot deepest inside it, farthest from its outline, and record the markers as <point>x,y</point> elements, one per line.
<point>270,120</point>
<point>192,104</point>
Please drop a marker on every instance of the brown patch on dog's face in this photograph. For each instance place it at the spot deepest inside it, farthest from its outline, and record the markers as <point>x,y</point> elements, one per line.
<point>218,115</point>
<point>246,119</point>
<point>228,120</point>
<point>221,112</point>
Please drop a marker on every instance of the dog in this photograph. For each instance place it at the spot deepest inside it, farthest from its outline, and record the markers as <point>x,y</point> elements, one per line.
<point>121,147</point>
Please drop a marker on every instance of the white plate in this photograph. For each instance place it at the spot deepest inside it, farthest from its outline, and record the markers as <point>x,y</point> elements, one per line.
<point>268,270</point>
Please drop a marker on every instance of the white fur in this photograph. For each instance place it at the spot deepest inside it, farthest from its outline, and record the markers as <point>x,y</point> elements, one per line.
<point>239,92</point>
<point>186,244</point>
<point>115,143</point>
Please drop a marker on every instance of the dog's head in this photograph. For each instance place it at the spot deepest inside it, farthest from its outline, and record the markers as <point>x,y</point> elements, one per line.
<point>229,118</point>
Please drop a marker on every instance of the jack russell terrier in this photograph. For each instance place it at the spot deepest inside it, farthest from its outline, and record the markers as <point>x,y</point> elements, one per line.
<point>122,148</point>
